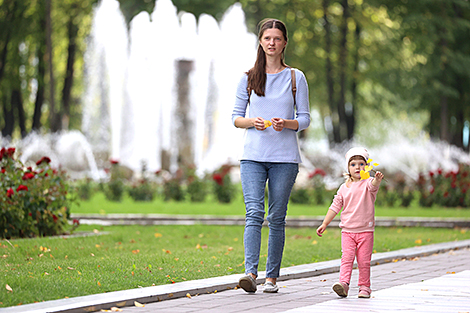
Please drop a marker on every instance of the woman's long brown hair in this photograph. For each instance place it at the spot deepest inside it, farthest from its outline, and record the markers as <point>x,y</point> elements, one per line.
<point>257,74</point>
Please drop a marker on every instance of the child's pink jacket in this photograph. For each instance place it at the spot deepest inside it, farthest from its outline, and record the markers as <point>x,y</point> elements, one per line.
<point>357,201</point>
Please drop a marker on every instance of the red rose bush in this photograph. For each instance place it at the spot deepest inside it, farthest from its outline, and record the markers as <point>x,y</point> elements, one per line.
<point>33,201</point>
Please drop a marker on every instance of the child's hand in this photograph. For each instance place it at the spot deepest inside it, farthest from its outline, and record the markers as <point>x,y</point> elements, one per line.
<point>321,229</point>
<point>379,176</point>
<point>377,179</point>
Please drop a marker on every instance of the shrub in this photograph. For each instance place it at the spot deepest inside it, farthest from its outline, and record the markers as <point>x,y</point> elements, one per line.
<point>300,196</point>
<point>447,189</point>
<point>319,190</point>
<point>196,187</point>
<point>224,189</point>
<point>85,189</point>
<point>36,199</point>
<point>114,189</point>
<point>172,189</point>
<point>142,190</point>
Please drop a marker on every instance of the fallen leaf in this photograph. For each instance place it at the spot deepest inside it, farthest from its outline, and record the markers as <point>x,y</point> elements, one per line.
<point>99,284</point>
<point>198,246</point>
<point>116,309</point>
<point>188,295</point>
<point>158,235</point>
<point>70,268</point>
<point>8,288</point>
<point>135,251</point>
<point>140,305</point>
<point>92,254</point>
<point>418,241</point>
<point>314,242</point>
<point>96,231</point>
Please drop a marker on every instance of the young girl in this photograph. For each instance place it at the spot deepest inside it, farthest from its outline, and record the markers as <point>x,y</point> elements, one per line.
<point>271,152</point>
<point>357,198</point>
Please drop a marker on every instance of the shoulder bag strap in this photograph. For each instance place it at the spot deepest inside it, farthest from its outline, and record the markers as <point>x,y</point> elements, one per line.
<point>294,87</point>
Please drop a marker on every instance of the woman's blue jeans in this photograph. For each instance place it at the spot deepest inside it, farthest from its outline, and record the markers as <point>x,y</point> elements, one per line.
<point>281,178</point>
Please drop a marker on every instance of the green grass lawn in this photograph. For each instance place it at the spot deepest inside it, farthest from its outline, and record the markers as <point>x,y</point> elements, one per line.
<point>125,257</point>
<point>99,205</point>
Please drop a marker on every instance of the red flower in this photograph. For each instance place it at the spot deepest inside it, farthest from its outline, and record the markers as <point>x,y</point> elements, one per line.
<point>439,171</point>
<point>10,192</point>
<point>113,161</point>
<point>7,152</point>
<point>29,175</point>
<point>318,171</point>
<point>3,170</point>
<point>218,179</point>
<point>76,222</point>
<point>446,194</point>
<point>55,218</point>
<point>30,214</point>
<point>44,159</point>
<point>21,187</point>
<point>431,174</point>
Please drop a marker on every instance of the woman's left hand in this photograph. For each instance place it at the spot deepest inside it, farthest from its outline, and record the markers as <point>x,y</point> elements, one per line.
<point>278,123</point>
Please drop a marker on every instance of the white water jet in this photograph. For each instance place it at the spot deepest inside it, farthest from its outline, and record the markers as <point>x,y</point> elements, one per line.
<point>132,91</point>
<point>68,150</point>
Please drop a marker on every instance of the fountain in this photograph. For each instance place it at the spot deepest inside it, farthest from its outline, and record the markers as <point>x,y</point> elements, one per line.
<point>163,92</point>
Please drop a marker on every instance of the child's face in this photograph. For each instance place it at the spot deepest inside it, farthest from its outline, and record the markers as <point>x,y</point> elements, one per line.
<point>355,167</point>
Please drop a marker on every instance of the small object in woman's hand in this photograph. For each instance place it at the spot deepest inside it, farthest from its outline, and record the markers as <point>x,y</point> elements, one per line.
<point>267,123</point>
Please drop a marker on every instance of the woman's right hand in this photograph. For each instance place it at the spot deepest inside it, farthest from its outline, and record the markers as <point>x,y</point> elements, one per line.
<point>259,123</point>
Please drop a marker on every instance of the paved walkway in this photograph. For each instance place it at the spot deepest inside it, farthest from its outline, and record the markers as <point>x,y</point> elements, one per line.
<point>432,278</point>
<point>436,283</point>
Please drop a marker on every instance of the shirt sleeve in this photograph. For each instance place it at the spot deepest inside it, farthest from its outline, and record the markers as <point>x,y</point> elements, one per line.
<point>302,101</point>
<point>241,99</point>
<point>338,202</point>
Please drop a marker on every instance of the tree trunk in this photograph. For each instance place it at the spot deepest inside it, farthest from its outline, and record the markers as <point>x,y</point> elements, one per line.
<point>351,112</point>
<point>17,103</point>
<point>68,82</point>
<point>54,118</point>
<point>334,133</point>
<point>9,117</point>
<point>343,67</point>
<point>184,126</point>
<point>40,93</point>
<point>38,103</point>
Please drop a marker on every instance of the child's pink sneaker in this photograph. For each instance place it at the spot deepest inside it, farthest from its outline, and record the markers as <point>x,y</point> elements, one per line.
<point>341,289</point>
<point>364,292</point>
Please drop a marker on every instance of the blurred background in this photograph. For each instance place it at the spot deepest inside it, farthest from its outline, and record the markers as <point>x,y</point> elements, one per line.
<point>151,84</point>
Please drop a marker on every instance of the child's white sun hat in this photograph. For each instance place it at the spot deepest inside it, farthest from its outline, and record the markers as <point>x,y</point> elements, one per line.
<point>357,151</point>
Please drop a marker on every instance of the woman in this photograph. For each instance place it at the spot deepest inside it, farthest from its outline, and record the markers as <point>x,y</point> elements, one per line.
<point>271,154</point>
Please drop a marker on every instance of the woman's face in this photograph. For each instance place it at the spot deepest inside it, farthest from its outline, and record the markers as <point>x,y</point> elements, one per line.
<point>273,42</point>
